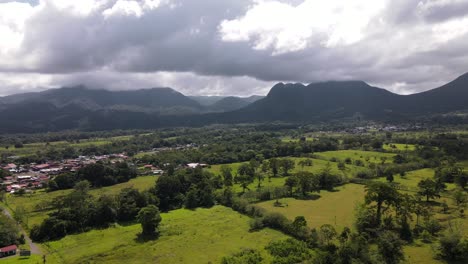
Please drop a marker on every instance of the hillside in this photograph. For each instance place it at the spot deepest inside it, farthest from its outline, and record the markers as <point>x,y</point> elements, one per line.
<point>152,100</point>
<point>87,109</point>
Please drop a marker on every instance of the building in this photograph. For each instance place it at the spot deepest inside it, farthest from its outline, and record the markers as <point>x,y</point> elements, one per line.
<point>195,165</point>
<point>8,251</point>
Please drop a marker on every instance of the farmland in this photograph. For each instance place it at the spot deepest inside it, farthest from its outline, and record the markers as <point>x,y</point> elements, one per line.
<point>31,202</point>
<point>336,208</point>
<point>207,214</point>
<point>199,236</point>
<point>364,156</point>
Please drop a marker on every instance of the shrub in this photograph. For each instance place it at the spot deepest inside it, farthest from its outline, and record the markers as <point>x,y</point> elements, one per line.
<point>247,256</point>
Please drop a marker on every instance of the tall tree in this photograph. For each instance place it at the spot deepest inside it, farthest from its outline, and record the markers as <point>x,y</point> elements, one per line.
<point>429,188</point>
<point>149,218</point>
<point>382,194</point>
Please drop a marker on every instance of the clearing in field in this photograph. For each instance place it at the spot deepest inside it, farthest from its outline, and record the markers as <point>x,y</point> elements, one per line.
<point>336,208</point>
<point>187,236</point>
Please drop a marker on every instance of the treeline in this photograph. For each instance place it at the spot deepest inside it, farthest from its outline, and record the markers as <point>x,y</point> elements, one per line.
<point>79,211</point>
<point>9,231</point>
<point>98,175</point>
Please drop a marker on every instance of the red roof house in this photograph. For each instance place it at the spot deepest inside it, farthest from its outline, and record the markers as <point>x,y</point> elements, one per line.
<point>8,251</point>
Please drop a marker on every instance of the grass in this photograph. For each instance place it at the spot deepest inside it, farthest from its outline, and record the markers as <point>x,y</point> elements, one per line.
<point>30,201</point>
<point>33,148</point>
<point>199,236</point>
<point>33,259</point>
<point>317,166</point>
<point>420,253</point>
<point>412,178</point>
<point>336,208</point>
<point>399,147</point>
<point>341,155</point>
<point>289,139</point>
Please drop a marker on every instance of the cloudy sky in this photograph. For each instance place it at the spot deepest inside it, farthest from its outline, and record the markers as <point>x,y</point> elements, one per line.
<point>230,47</point>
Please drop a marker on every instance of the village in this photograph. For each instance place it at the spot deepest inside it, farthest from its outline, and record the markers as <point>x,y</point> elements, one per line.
<point>24,178</point>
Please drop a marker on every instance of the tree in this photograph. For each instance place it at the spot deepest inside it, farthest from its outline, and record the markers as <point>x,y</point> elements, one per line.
<point>9,231</point>
<point>429,188</point>
<point>326,234</point>
<point>149,219</point>
<point>226,172</point>
<point>390,247</point>
<point>306,182</point>
<point>452,246</point>
<point>390,177</point>
<point>274,166</point>
<point>287,165</point>
<point>381,193</point>
<point>246,174</point>
<point>290,183</point>
<point>341,166</point>
<point>399,159</point>
<point>462,180</point>
<point>460,197</point>
<point>302,163</point>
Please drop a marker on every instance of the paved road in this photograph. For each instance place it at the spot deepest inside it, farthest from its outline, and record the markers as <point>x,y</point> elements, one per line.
<point>33,247</point>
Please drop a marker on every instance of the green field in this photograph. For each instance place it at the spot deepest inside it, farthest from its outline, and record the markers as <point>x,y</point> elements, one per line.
<point>33,148</point>
<point>199,236</point>
<point>33,259</point>
<point>336,208</point>
<point>399,147</point>
<point>373,156</point>
<point>31,201</point>
<point>412,178</point>
<point>317,166</point>
<point>290,139</point>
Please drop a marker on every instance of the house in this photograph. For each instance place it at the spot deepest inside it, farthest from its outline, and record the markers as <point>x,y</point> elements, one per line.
<point>40,167</point>
<point>195,165</point>
<point>158,172</point>
<point>10,166</point>
<point>8,251</point>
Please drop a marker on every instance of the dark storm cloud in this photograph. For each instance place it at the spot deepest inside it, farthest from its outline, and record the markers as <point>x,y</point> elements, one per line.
<point>236,46</point>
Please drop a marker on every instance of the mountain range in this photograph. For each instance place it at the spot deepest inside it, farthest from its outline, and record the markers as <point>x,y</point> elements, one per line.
<point>93,109</point>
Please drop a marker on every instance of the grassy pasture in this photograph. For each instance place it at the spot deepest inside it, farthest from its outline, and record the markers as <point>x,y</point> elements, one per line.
<point>317,166</point>
<point>412,178</point>
<point>399,147</point>
<point>341,155</point>
<point>289,139</point>
<point>30,201</point>
<point>187,236</point>
<point>32,148</point>
<point>33,259</point>
<point>330,207</point>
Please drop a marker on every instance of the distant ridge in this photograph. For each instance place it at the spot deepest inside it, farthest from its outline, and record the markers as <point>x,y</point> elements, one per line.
<point>88,109</point>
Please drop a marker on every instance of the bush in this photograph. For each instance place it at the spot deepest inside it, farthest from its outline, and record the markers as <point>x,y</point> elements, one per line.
<point>247,256</point>
<point>276,221</point>
<point>452,246</point>
<point>256,224</point>
<point>289,251</point>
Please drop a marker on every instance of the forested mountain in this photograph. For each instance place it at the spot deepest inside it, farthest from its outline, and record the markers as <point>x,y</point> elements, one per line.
<point>161,100</point>
<point>82,108</point>
<point>231,103</point>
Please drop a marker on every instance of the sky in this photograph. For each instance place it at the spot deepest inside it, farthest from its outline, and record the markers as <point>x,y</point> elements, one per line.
<point>230,47</point>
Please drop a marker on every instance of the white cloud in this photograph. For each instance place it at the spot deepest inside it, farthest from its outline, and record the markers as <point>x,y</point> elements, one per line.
<point>287,28</point>
<point>13,16</point>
